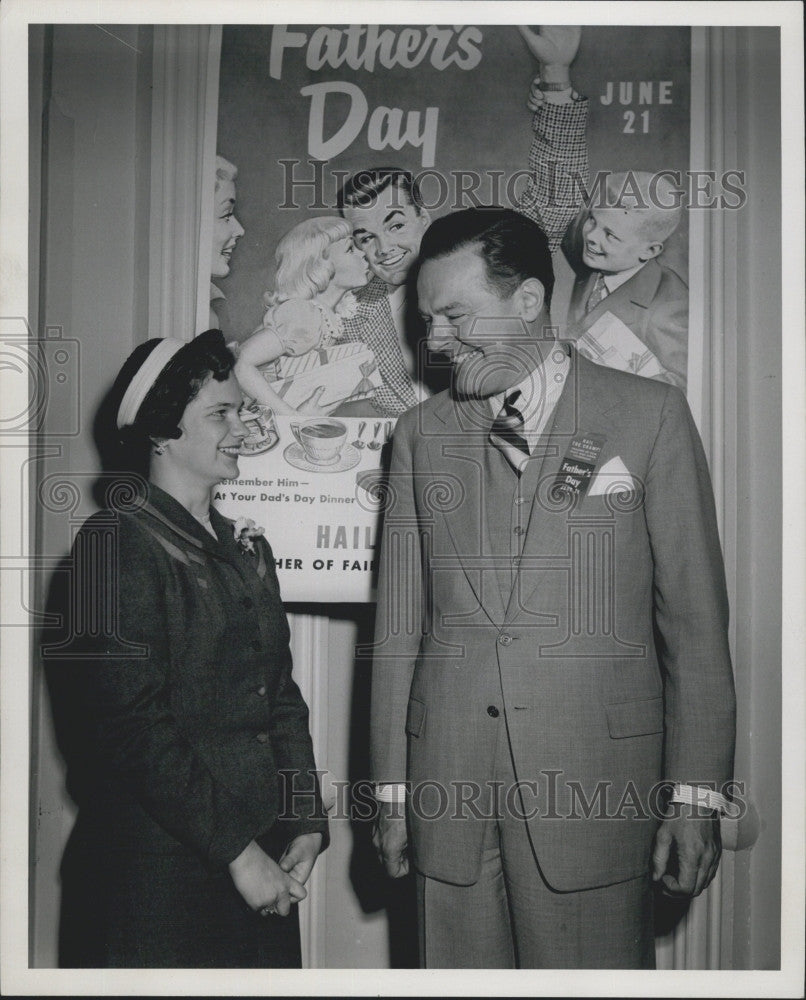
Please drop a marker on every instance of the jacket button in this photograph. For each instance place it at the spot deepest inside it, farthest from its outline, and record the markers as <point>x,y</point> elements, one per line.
<point>262,690</point>
<point>256,645</point>
<point>262,737</point>
<point>247,602</point>
<point>492,711</point>
<point>505,639</point>
<point>519,530</point>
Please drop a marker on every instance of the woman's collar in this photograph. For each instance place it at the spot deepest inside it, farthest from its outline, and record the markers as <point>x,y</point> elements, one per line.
<point>174,515</point>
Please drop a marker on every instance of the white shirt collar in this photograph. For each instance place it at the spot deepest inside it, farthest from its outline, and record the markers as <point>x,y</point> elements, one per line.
<point>540,391</point>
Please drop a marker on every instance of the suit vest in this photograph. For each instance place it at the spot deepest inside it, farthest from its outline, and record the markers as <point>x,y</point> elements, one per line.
<point>507,506</point>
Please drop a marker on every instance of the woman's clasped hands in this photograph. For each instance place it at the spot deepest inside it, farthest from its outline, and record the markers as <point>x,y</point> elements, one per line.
<point>272,887</point>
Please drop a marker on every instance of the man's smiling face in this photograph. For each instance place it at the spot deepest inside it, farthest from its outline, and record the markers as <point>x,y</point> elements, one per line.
<point>485,333</point>
<point>389,232</point>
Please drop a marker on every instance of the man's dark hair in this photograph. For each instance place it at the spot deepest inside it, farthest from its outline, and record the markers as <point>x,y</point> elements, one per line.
<point>362,189</point>
<point>513,247</point>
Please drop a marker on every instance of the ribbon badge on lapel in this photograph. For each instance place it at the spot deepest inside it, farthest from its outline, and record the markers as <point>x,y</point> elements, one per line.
<point>577,467</point>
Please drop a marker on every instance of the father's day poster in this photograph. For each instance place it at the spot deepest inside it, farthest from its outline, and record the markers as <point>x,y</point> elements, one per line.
<point>302,108</point>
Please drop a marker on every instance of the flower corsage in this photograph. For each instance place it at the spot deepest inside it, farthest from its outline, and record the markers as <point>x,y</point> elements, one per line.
<point>246,531</point>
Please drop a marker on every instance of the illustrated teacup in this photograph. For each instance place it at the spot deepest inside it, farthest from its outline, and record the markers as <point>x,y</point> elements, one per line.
<point>321,438</point>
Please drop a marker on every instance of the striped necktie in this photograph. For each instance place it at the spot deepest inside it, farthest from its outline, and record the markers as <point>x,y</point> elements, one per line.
<point>506,432</point>
<point>598,292</point>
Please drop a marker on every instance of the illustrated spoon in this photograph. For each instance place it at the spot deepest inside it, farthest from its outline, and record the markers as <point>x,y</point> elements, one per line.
<point>358,443</point>
<point>374,444</point>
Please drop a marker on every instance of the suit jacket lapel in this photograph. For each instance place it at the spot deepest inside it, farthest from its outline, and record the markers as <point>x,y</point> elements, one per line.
<point>464,432</point>
<point>582,408</point>
<point>195,539</point>
<point>629,301</point>
<point>583,286</point>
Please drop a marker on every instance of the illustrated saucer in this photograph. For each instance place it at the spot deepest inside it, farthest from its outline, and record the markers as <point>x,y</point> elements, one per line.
<point>348,459</point>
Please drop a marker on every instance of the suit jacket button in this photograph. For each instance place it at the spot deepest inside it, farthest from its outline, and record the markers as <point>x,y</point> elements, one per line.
<point>505,639</point>
<point>256,645</point>
<point>262,737</point>
<point>492,711</point>
<point>519,530</point>
<point>247,602</point>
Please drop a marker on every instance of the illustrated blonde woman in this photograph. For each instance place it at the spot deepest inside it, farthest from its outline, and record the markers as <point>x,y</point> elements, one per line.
<point>318,268</point>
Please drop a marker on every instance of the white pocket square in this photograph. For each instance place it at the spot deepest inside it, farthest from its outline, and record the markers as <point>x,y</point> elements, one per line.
<point>613,477</point>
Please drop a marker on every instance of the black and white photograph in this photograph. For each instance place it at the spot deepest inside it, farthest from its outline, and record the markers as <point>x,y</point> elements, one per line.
<point>401,515</point>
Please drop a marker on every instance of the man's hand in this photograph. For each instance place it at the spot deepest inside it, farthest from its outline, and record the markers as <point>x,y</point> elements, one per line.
<point>391,839</point>
<point>687,851</point>
<point>555,47</point>
<point>262,883</point>
<point>299,857</point>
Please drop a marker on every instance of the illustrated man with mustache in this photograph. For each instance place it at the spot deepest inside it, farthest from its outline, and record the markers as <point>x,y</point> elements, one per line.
<point>384,206</point>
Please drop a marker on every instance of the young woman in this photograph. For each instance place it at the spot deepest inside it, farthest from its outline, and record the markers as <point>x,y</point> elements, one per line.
<point>317,267</point>
<point>227,230</point>
<point>191,847</point>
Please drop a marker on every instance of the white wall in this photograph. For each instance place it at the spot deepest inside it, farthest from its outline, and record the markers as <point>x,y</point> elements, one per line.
<point>93,101</point>
<point>756,544</point>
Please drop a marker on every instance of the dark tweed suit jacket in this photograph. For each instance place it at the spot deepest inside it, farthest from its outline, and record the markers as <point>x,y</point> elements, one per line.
<point>177,658</point>
<point>645,695</point>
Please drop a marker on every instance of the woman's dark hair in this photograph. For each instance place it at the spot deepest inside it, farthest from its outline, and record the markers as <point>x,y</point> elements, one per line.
<point>128,449</point>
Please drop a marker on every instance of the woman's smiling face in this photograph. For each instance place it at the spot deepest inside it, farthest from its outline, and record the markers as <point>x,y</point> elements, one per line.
<point>226,229</point>
<point>212,432</point>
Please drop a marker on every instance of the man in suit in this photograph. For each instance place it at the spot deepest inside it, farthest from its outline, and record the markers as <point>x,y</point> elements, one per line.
<point>551,635</point>
<point>628,310</point>
<point>385,207</point>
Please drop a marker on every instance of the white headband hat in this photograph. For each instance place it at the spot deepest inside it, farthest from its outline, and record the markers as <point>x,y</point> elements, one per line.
<point>145,376</point>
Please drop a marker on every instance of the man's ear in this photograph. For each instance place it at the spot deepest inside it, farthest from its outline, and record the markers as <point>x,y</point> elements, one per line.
<point>532,295</point>
<point>425,216</point>
<point>650,251</point>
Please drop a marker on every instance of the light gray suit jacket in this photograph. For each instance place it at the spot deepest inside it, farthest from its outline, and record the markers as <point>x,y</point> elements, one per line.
<point>603,698</point>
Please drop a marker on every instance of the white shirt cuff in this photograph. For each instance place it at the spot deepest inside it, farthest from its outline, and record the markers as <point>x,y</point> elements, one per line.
<point>390,793</point>
<point>696,795</point>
